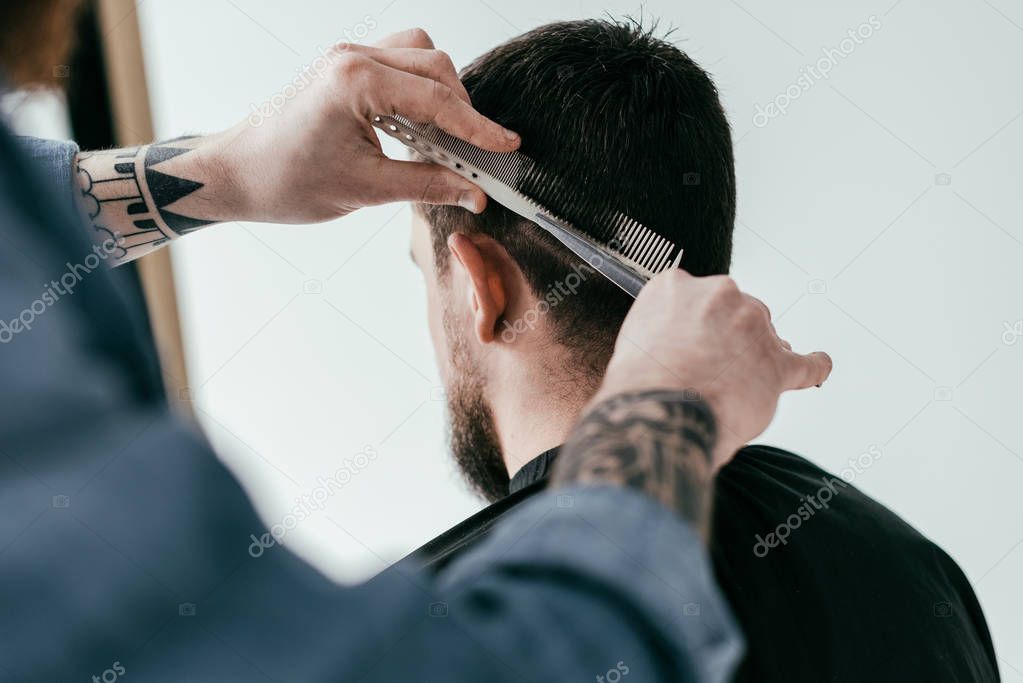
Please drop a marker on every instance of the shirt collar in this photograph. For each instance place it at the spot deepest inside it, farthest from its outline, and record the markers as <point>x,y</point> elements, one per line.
<point>537,469</point>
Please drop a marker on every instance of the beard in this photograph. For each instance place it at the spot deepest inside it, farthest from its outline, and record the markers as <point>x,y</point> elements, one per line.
<point>473,437</point>
<point>36,37</point>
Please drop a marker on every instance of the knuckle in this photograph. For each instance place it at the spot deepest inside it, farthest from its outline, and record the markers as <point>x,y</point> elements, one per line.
<point>426,193</point>
<point>443,60</point>
<point>342,47</point>
<point>350,66</point>
<point>433,191</point>
<point>442,93</point>
<point>420,38</point>
<point>750,316</point>
<point>723,290</point>
<point>726,283</point>
<point>760,309</point>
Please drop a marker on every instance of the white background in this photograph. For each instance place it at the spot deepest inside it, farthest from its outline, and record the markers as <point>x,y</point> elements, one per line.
<point>847,229</point>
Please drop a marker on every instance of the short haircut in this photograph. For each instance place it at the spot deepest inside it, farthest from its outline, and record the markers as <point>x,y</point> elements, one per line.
<point>616,110</point>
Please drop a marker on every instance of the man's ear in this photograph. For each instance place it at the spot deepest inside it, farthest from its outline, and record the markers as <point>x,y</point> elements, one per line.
<point>487,294</point>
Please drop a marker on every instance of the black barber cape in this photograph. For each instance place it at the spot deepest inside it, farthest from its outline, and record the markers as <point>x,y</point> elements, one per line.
<point>826,583</point>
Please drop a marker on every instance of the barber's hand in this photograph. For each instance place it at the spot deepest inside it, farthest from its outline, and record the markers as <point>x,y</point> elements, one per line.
<point>703,334</point>
<point>316,156</point>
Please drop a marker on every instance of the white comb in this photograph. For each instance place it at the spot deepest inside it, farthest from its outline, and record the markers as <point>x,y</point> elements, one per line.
<point>626,252</point>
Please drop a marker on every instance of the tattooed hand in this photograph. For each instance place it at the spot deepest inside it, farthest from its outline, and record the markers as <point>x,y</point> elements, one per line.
<point>308,155</point>
<point>696,373</point>
<point>659,442</point>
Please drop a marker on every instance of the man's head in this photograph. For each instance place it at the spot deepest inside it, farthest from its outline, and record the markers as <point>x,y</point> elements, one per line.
<point>517,323</point>
<point>35,38</point>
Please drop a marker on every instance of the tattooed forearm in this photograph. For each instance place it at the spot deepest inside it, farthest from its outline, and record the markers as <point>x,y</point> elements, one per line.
<point>658,442</point>
<point>135,198</point>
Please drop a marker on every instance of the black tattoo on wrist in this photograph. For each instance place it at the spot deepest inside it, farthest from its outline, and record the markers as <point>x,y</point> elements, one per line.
<point>657,442</point>
<point>128,197</point>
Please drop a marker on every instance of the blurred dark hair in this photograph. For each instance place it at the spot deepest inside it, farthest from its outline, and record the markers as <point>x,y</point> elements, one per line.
<point>36,39</point>
<point>615,109</point>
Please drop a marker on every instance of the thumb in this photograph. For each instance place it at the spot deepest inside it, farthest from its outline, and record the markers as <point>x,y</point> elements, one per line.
<point>804,371</point>
<point>422,181</point>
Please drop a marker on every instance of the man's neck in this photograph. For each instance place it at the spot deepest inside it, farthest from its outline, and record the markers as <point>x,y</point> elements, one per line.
<point>530,415</point>
<point>523,438</point>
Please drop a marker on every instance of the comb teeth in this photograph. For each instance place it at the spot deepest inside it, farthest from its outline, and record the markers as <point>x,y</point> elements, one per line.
<point>529,189</point>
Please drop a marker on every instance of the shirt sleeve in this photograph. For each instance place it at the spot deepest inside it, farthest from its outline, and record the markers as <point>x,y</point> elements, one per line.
<point>577,552</point>
<point>54,160</point>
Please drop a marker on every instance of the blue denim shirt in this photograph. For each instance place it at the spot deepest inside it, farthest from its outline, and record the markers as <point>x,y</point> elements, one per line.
<point>125,544</point>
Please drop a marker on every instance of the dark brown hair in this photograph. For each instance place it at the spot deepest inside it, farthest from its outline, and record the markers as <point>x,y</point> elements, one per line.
<point>620,113</point>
